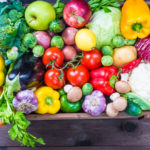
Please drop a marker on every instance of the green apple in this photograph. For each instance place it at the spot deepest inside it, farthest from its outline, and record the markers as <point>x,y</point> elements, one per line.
<point>39,14</point>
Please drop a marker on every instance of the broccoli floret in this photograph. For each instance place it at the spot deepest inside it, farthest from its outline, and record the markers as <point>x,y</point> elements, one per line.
<point>4,19</point>
<point>22,48</point>
<point>29,40</point>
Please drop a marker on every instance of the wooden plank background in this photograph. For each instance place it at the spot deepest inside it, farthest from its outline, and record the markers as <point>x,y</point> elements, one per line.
<point>108,134</point>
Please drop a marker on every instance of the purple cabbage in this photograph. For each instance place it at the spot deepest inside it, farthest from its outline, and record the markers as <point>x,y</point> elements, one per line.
<point>94,103</point>
<point>25,101</point>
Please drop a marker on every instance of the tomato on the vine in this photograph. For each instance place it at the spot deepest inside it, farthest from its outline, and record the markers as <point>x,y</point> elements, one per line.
<point>53,54</point>
<point>54,79</point>
<point>78,76</point>
<point>92,59</point>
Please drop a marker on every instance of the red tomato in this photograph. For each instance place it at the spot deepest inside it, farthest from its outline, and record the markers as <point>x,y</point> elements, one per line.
<point>78,76</point>
<point>92,59</point>
<point>52,79</point>
<point>53,53</point>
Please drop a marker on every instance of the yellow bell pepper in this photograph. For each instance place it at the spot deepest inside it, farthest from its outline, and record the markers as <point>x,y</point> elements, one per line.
<point>48,100</point>
<point>2,75</point>
<point>135,22</point>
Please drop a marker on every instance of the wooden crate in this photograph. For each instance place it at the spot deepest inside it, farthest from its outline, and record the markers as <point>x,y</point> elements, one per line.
<point>70,116</point>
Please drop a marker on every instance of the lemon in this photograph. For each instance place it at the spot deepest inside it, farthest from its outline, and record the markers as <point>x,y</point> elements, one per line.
<point>85,40</point>
<point>2,78</point>
<point>2,63</point>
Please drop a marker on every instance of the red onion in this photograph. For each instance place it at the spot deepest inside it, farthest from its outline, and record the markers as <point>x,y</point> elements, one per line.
<point>143,48</point>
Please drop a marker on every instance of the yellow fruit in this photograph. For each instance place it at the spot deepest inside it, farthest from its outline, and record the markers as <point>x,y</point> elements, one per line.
<point>2,63</point>
<point>2,78</point>
<point>85,40</point>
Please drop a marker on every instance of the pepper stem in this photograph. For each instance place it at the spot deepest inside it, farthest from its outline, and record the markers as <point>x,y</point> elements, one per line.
<point>48,100</point>
<point>137,27</point>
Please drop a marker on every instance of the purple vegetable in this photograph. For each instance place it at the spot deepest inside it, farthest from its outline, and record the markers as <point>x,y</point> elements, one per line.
<point>143,48</point>
<point>25,101</point>
<point>95,103</point>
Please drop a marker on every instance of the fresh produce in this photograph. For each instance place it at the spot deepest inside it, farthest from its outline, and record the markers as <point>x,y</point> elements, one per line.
<point>70,107</point>
<point>25,101</point>
<point>124,55</point>
<point>67,87</point>
<point>12,54</point>
<point>29,40</point>
<point>53,57</point>
<point>94,103</point>
<point>74,94</point>
<point>48,100</point>
<point>69,53</point>
<point>77,13</point>
<point>142,102</point>
<point>42,38</point>
<point>107,50</point>
<point>92,59</point>
<point>54,79</point>
<point>111,111</point>
<point>57,26</point>
<point>120,104</point>
<point>38,51</point>
<point>138,14</point>
<point>69,35</point>
<point>130,66</point>
<point>140,83</point>
<point>2,75</point>
<point>57,41</point>
<point>77,76</point>
<point>39,14</point>
<point>85,40</point>
<point>142,46</point>
<point>122,87</point>
<point>107,60</point>
<point>87,89</point>
<point>133,109</point>
<point>61,91</point>
<point>102,79</point>
<point>77,49</point>
<point>124,76</point>
<point>130,42</point>
<point>105,26</point>
<point>26,72</point>
<point>114,96</point>
<point>118,41</point>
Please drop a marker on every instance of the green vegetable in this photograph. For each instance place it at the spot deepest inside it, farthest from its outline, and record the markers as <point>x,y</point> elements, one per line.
<point>61,91</point>
<point>97,5</point>
<point>87,89</point>
<point>29,40</point>
<point>57,26</point>
<point>19,124</point>
<point>12,54</point>
<point>38,51</point>
<point>130,42</point>
<point>107,50</point>
<point>59,7</point>
<point>144,104</point>
<point>107,60</point>
<point>57,41</point>
<point>133,109</point>
<point>105,29</point>
<point>70,107</point>
<point>118,41</point>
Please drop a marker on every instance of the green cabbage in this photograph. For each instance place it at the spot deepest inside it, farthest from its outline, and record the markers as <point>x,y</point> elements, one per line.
<point>105,25</point>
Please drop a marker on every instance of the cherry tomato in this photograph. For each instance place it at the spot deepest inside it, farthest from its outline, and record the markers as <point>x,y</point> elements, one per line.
<point>1,124</point>
<point>78,76</point>
<point>92,59</point>
<point>52,79</point>
<point>51,54</point>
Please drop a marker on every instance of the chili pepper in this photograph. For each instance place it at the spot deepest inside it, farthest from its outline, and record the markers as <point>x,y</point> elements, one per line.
<point>48,100</point>
<point>135,19</point>
<point>130,66</point>
<point>103,79</point>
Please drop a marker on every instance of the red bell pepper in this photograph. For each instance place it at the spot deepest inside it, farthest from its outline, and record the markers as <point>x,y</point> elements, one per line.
<point>103,79</point>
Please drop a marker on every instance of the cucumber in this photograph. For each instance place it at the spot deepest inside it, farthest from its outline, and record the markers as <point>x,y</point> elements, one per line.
<point>133,109</point>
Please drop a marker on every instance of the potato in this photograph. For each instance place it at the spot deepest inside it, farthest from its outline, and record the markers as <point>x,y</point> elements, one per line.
<point>124,55</point>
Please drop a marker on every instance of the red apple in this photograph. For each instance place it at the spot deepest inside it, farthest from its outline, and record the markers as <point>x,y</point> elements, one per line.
<point>77,13</point>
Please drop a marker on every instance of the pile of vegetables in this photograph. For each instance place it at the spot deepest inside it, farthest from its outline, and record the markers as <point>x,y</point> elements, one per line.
<point>69,57</point>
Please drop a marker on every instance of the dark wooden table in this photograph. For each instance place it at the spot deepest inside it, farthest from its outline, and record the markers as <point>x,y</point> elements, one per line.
<point>111,134</point>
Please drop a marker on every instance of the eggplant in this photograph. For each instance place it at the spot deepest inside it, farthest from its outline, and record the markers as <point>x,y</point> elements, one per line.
<point>27,72</point>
